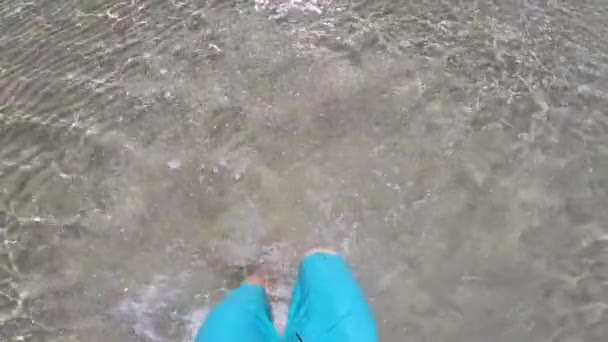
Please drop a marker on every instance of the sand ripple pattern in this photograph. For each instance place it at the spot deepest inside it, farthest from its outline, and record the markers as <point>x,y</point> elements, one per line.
<point>460,144</point>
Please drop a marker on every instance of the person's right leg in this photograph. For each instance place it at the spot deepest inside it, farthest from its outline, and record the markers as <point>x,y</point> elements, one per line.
<point>328,304</point>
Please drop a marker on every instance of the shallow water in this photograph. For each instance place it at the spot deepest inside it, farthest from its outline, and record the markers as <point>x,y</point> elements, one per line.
<point>455,151</point>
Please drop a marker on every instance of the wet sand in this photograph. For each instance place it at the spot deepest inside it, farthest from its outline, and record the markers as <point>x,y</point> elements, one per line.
<point>455,151</point>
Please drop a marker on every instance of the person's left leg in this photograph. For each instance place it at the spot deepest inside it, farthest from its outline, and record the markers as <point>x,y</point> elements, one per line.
<point>244,315</point>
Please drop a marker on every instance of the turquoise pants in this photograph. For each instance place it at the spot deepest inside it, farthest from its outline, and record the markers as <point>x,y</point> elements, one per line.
<point>327,305</point>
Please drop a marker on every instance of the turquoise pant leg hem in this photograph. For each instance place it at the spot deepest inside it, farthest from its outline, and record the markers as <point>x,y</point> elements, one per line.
<point>243,316</point>
<point>328,304</point>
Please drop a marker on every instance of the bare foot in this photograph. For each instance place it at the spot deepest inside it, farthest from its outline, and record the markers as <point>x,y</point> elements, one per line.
<point>322,251</point>
<point>258,279</point>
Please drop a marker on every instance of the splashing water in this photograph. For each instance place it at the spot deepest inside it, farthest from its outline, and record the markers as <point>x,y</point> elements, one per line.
<point>151,152</point>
